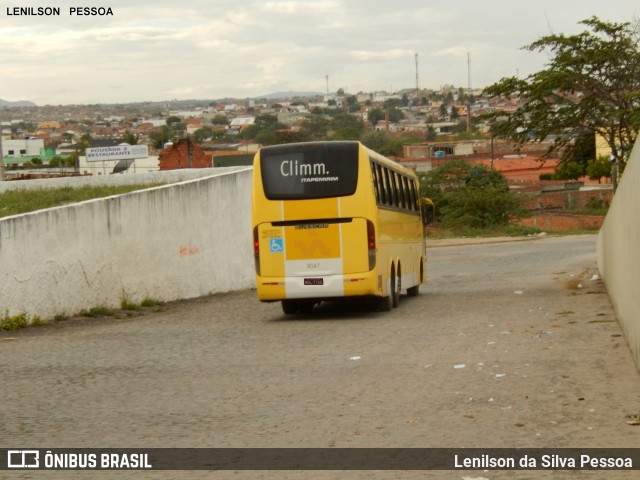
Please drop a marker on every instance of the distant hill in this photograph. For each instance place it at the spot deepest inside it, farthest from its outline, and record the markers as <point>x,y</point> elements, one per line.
<point>289,95</point>
<point>6,103</point>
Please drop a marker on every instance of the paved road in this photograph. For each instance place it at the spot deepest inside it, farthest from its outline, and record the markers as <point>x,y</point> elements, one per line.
<point>510,345</point>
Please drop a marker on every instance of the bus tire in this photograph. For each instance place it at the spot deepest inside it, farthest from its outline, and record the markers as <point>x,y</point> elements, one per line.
<point>385,303</point>
<point>396,286</point>
<point>415,290</point>
<point>289,307</point>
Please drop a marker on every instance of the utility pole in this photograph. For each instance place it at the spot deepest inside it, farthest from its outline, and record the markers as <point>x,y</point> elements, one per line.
<point>468,92</point>
<point>417,83</point>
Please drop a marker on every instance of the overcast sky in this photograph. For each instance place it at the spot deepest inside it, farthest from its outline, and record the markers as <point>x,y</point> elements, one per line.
<point>209,49</point>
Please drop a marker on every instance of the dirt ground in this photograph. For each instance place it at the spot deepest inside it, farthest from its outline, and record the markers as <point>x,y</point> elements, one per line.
<point>510,345</point>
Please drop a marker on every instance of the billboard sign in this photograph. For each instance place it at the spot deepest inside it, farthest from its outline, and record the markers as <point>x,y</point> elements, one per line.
<point>120,152</point>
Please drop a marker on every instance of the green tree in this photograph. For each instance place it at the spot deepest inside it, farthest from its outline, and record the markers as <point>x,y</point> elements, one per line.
<point>159,137</point>
<point>173,119</point>
<point>395,115</point>
<point>568,171</point>
<point>470,196</point>
<point>376,115</point>
<point>599,168</point>
<point>315,127</point>
<point>220,119</point>
<point>591,83</point>
<point>346,127</point>
<point>264,129</point>
<point>130,138</point>
<point>382,143</point>
<point>201,134</point>
<point>352,103</point>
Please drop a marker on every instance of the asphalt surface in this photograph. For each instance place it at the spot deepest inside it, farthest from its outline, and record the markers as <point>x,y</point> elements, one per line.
<point>510,344</point>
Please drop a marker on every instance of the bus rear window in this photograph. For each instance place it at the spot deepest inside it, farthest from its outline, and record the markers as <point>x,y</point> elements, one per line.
<point>304,171</point>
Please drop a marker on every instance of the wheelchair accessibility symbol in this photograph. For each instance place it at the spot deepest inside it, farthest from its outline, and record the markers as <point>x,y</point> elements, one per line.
<point>276,245</point>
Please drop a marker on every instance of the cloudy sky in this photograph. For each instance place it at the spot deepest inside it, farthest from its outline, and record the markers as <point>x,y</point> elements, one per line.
<point>180,49</point>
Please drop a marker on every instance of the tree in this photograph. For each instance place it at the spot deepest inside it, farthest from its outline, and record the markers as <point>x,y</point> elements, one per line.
<point>598,168</point>
<point>568,171</point>
<point>159,137</point>
<point>315,127</point>
<point>202,134</point>
<point>220,119</point>
<point>264,129</point>
<point>470,196</point>
<point>130,138</point>
<point>375,115</point>
<point>346,127</point>
<point>352,103</point>
<point>382,143</point>
<point>591,85</point>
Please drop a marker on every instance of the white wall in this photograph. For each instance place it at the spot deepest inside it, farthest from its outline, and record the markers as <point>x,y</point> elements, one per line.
<point>140,178</point>
<point>176,241</point>
<point>619,252</point>
<point>140,165</point>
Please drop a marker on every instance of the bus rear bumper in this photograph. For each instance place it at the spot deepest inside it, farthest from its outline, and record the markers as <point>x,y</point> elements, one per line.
<point>328,286</point>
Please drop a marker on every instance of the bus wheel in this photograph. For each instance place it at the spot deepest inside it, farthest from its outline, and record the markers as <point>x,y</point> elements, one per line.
<point>289,307</point>
<point>385,303</point>
<point>396,287</point>
<point>414,291</point>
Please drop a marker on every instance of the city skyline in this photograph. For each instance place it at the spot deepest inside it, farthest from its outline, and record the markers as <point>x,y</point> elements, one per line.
<point>158,50</point>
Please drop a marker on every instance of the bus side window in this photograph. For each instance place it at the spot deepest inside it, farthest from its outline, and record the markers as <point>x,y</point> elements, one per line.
<point>394,190</point>
<point>407,193</point>
<point>414,196</point>
<point>376,186</point>
<point>388,186</point>
<point>401,202</point>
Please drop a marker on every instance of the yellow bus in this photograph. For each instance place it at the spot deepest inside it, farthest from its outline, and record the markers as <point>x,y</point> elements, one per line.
<point>334,220</point>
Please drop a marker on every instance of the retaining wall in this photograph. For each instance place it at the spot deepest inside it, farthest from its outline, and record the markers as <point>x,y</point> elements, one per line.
<point>559,222</point>
<point>146,178</point>
<point>619,252</point>
<point>177,241</point>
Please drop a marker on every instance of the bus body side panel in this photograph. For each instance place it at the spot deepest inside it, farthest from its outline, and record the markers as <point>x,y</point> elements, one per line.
<point>400,241</point>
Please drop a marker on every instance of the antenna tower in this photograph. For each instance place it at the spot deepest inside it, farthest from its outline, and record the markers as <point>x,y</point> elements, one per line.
<point>417,83</point>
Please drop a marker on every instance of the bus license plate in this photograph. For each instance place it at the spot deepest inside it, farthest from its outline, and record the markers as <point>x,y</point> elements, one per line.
<point>314,281</point>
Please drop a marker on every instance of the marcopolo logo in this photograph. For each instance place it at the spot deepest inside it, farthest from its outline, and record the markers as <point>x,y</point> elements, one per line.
<point>23,459</point>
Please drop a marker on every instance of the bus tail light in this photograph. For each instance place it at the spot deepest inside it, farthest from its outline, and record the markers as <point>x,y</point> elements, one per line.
<point>371,244</point>
<point>256,249</point>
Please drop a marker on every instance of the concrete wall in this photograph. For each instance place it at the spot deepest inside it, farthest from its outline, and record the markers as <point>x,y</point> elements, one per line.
<point>176,241</point>
<point>619,252</point>
<point>144,178</point>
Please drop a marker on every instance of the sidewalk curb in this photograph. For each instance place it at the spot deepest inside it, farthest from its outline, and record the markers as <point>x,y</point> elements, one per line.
<point>457,242</point>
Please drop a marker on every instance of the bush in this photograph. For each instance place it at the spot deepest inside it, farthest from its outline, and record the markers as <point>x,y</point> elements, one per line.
<point>470,196</point>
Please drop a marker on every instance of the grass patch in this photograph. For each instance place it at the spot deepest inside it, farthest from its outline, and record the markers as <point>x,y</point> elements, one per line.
<point>127,304</point>
<point>99,311</point>
<point>21,320</point>
<point>150,302</point>
<point>16,202</point>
